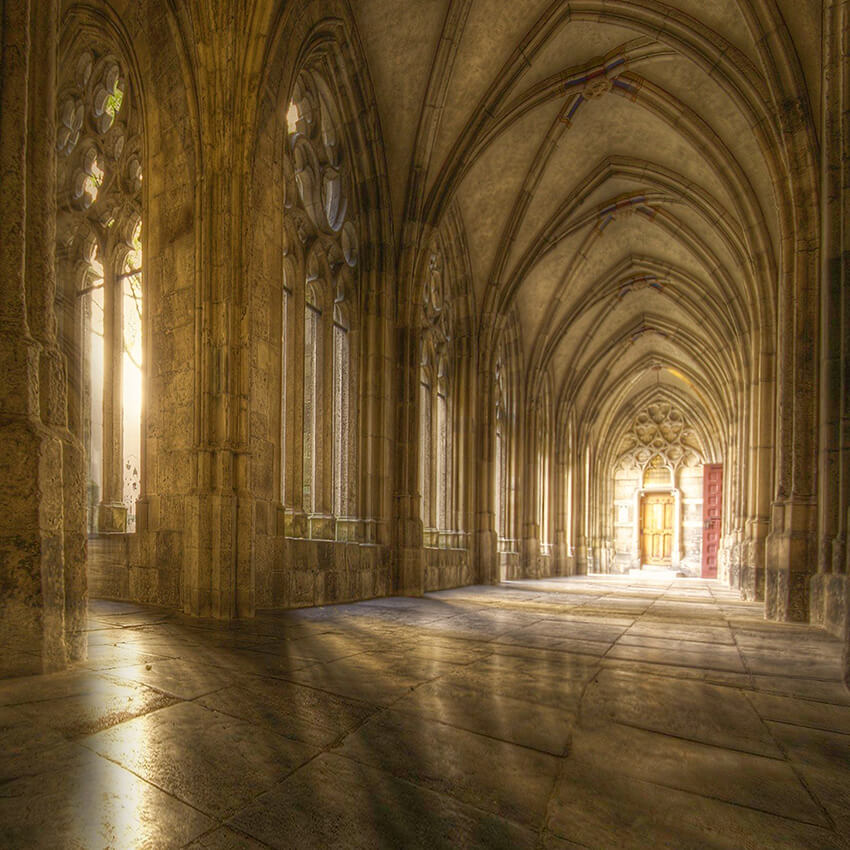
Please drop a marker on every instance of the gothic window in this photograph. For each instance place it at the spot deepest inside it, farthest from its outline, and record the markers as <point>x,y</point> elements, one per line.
<point>320,186</point>
<point>543,477</point>
<point>341,410</point>
<point>312,397</point>
<point>99,263</point>
<point>501,482</point>
<point>425,418</point>
<point>285,333</point>
<point>442,454</point>
<point>436,425</point>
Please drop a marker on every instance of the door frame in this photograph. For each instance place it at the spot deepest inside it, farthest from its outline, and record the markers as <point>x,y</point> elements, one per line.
<point>637,551</point>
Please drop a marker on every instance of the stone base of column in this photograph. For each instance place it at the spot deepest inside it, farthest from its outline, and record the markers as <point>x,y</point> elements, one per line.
<point>76,548</point>
<point>830,602</point>
<point>752,582</point>
<point>487,557</point>
<point>790,558</point>
<point>530,566</point>
<point>411,572</point>
<point>830,609</point>
<point>32,581</point>
<point>752,567</point>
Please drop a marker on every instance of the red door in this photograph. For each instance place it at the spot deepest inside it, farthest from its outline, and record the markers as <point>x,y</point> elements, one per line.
<point>712,503</point>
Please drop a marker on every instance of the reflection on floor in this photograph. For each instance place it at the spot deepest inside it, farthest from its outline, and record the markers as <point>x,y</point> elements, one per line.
<point>584,712</point>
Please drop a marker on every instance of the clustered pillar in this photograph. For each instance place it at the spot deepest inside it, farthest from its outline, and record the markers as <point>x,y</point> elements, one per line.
<point>42,525</point>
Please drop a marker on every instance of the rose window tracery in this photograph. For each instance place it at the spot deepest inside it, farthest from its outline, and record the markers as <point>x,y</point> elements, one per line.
<point>660,434</point>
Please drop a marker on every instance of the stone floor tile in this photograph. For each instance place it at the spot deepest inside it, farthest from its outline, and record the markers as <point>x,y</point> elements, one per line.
<point>802,712</point>
<point>92,803</point>
<point>334,802</point>
<point>689,709</point>
<point>224,838</point>
<point>813,747</point>
<point>110,703</point>
<point>214,762</point>
<point>574,630</point>
<point>717,657</point>
<point>752,781</point>
<point>832,692</point>
<point>507,780</point>
<point>600,807</point>
<point>294,711</point>
<point>505,718</point>
<point>179,677</point>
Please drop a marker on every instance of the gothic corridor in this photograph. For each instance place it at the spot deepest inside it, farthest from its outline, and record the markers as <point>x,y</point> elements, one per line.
<point>424,423</point>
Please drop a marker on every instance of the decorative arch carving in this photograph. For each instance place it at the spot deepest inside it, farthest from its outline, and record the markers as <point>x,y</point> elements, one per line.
<point>660,433</point>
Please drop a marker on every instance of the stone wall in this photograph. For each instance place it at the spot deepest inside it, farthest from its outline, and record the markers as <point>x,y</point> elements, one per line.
<point>109,566</point>
<point>445,568</point>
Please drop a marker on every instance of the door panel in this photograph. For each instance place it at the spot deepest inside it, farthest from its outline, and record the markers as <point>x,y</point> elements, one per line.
<point>657,528</point>
<point>712,508</point>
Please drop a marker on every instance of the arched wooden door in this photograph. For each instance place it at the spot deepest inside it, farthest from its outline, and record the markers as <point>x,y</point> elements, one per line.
<point>657,511</point>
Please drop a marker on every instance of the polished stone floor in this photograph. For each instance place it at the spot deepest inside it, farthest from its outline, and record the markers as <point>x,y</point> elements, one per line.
<point>585,712</point>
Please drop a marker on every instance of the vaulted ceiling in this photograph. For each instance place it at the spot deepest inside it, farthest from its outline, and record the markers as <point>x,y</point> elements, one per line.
<point>618,168</point>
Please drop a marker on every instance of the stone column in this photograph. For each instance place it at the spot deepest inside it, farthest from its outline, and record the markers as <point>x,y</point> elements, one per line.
<point>791,552</point>
<point>830,587</point>
<point>409,579</point>
<point>32,393</point>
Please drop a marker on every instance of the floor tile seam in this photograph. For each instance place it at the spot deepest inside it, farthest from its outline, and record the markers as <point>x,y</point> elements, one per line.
<point>660,675</point>
<point>793,677</point>
<point>699,741</point>
<point>265,725</point>
<point>279,678</point>
<point>795,769</point>
<point>808,726</point>
<point>316,661</point>
<point>715,670</point>
<point>454,683</point>
<point>159,788</point>
<point>423,714</point>
<point>545,828</point>
<point>226,819</point>
<point>676,640</point>
<point>734,803</point>
<point>808,699</point>
<point>268,726</point>
<point>79,736</point>
<point>222,825</point>
<point>526,827</point>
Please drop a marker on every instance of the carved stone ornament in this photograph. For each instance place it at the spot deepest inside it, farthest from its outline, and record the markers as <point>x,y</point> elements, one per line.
<point>660,434</point>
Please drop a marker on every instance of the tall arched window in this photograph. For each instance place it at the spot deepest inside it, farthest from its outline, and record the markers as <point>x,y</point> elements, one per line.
<point>543,476</point>
<point>500,460</point>
<point>341,410</point>
<point>320,204</point>
<point>285,340</point>
<point>312,398</point>
<point>436,425</point>
<point>99,265</point>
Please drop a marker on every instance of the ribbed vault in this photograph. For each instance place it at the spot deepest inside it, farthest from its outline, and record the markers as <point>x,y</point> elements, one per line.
<point>631,177</point>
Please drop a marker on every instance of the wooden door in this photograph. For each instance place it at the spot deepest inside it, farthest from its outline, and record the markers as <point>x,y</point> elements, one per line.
<point>712,505</point>
<point>657,528</point>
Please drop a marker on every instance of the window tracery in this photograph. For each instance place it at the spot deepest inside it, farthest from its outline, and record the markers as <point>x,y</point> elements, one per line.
<point>501,414</point>
<point>436,405</point>
<point>320,204</point>
<point>543,476</point>
<point>99,201</point>
<point>660,437</point>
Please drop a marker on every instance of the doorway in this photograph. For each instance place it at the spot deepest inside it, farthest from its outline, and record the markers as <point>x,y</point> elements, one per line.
<point>657,514</point>
<point>712,506</point>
